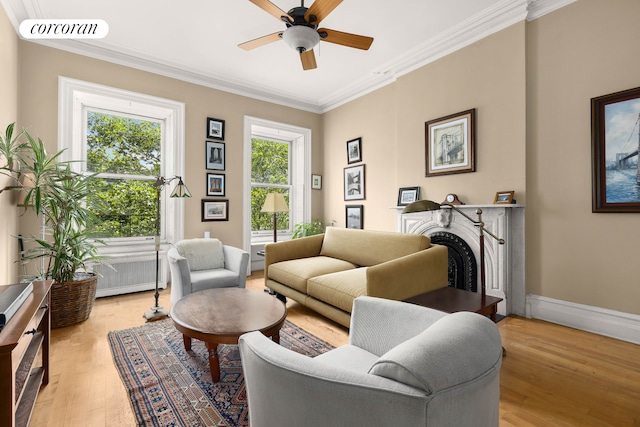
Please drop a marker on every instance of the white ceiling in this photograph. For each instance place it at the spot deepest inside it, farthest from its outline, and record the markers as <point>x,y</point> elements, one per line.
<point>196,41</point>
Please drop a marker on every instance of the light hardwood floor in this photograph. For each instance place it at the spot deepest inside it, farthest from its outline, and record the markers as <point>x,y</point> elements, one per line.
<point>551,376</point>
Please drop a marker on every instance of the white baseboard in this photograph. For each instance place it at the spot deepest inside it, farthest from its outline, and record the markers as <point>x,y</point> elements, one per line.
<point>610,323</point>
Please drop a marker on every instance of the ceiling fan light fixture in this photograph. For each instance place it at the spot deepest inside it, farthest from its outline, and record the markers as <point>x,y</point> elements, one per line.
<point>301,38</point>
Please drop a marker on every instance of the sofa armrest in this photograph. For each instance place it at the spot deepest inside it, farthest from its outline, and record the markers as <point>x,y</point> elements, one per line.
<point>292,249</point>
<point>236,260</point>
<point>410,275</point>
<point>378,324</point>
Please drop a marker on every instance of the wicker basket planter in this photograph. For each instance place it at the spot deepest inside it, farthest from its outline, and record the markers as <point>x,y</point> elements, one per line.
<point>72,302</point>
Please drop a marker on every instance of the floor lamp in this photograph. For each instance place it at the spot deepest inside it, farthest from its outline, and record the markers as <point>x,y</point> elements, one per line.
<point>275,203</point>
<point>428,205</point>
<point>158,312</point>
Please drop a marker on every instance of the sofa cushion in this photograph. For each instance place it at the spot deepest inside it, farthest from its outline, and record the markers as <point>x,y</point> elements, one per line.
<point>431,361</point>
<point>202,254</point>
<point>367,248</point>
<point>339,289</point>
<point>295,273</point>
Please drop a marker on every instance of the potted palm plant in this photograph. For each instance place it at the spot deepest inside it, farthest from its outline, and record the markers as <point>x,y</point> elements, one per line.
<point>59,195</point>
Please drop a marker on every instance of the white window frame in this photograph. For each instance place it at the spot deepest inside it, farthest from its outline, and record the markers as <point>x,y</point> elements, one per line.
<point>266,135</point>
<point>76,97</point>
<point>299,173</point>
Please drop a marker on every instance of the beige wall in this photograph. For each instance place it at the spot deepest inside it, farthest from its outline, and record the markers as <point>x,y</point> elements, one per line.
<point>8,114</point>
<point>489,76</point>
<point>40,67</point>
<point>371,118</point>
<point>587,49</point>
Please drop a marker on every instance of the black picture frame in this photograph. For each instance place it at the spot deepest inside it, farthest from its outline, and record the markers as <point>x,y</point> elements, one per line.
<point>354,151</point>
<point>450,144</point>
<point>407,195</point>
<point>615,136</point>
<point>215,129</point>
<point>215,210</point>
<point>354,216</point>
<point>215,184</point>
<point>316,182</point>
<point>214,155</point>
<point>354,183</point>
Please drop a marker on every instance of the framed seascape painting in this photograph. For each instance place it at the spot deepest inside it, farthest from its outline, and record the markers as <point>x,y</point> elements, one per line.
<point>355,216</point>
<point>615,141</point>
<point>450,144</point>
<point>354,183</point>
<point>214,155</point>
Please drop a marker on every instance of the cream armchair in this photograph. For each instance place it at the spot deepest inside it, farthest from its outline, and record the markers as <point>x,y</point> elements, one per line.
<point>198,264</point>
<point>405,365</point>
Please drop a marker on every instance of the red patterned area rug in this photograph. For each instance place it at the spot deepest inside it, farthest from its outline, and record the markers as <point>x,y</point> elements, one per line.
<point>169,386</point>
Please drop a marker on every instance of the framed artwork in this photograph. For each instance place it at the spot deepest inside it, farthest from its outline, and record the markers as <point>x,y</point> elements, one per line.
<point>215,184</point>
<point>354,183</point>
<point>215,129</point>
<point>615,141</point>
<point>215,210</point>
<point>316,182</point>
<point>354,216</point>
<point>214,155</point>
<point>407,195</point>
<point>354,150</point>
<point>503,198</point>
<point>450,144</point>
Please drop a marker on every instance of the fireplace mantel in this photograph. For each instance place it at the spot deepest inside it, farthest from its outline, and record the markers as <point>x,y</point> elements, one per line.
<point>504,264</point>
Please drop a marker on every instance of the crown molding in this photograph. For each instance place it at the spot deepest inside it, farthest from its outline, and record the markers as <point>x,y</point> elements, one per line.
<point>539,8</point>
<point>489,21</point>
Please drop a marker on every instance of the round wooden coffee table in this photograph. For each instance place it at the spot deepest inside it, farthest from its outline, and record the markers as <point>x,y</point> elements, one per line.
<point>220,316</point>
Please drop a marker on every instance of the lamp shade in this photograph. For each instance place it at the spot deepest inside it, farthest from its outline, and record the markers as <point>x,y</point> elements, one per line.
<point>275,203</point>
<point>181,190</point>
<point>421,205</point>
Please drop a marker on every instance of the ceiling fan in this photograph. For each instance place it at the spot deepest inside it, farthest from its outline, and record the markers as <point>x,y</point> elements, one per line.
<point>302,32</point>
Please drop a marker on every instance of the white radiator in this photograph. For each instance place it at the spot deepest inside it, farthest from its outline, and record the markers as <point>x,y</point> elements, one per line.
<point>132,272</point>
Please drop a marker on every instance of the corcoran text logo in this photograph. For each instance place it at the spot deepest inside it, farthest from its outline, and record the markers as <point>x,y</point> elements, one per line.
<point>64,29</point>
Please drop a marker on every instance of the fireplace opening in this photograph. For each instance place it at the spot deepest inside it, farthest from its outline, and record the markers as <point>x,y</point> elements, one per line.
<point>462,263</point>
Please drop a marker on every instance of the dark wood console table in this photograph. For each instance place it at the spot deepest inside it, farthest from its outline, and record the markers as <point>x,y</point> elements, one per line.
<point>451,300</point>
<point>21,340</point>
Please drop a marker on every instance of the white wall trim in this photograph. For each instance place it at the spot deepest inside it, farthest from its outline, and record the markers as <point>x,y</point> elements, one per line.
<point>601,321</point>
<point>76,95</point>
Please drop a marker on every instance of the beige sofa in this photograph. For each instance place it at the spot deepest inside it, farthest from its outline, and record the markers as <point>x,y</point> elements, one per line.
<point>328,271</point>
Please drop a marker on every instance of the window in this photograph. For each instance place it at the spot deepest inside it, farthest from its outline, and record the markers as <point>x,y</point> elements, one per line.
<point>270,166</point>
<point>125,153</point>
<point>277,159</point>
<point>129,139</point>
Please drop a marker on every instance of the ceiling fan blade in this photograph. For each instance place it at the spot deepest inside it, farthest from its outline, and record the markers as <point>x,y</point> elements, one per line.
<point>261,41</point>
<point>308,59</point>
<point>321,8</point>
<point>271,9</point>
<point>346,39</point>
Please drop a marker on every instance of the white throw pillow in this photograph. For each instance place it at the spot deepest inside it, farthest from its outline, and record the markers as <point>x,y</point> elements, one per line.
<point>202,254</point>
